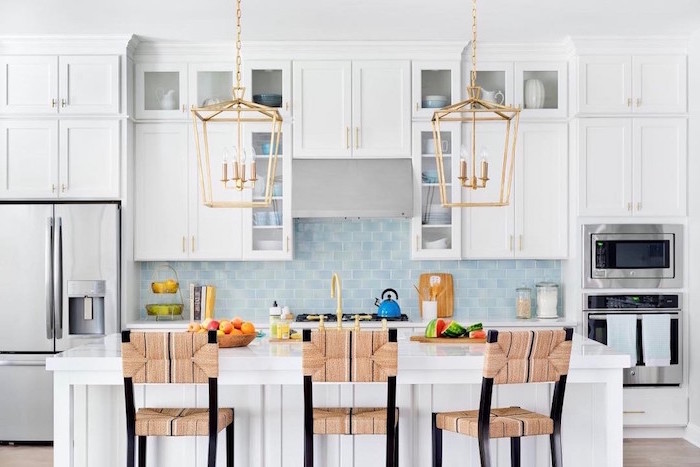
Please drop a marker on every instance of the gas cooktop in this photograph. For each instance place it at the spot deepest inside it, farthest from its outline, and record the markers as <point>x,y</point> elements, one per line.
<point>332,317</point>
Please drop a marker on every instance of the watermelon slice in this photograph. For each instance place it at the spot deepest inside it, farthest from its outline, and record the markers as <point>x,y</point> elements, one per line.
<point>454,330</point>
<point>436,327</point>
<point>480,334</point>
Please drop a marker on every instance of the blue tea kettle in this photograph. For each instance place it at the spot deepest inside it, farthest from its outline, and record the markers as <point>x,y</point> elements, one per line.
<point>389,307</point>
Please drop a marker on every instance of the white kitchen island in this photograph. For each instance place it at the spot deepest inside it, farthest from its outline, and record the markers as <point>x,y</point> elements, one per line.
<point>263,383</point>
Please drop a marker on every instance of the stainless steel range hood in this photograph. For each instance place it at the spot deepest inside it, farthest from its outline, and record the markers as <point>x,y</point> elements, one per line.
<point>352,188</point>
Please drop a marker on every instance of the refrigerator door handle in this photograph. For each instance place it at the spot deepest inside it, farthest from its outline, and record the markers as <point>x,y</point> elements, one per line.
<point>48,277</point>
<point>58,277</point>
<point>22,362</point>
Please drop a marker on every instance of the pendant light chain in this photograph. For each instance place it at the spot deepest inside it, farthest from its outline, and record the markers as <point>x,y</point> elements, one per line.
<point>473,72</point>
<point>238,44</point>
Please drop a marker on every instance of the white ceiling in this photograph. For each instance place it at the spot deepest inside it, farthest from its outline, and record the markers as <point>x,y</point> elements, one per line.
<point>444,20</point>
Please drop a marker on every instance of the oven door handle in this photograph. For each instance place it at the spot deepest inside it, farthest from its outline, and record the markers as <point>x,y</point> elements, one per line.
<point>603,317</point>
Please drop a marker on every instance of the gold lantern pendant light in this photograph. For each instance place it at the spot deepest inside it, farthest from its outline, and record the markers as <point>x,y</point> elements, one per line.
<point>238,168</point>
<point>478,114</point>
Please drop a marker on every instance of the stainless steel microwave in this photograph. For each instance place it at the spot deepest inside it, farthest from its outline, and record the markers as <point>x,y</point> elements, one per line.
<point>623,256</point>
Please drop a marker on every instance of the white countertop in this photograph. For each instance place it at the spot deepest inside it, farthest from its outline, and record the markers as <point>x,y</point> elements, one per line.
<point>264,355</point>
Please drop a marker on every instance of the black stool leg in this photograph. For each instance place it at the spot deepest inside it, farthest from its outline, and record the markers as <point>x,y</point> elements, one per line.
<point>484,452</point>
<point>555,443</point>
<point>229,445</point>
<point>396,446</point>
<point>211,459</point>
<point>437,443</point>
<point>130,450</point>
<point>515,451</point>
<point>142,451</point>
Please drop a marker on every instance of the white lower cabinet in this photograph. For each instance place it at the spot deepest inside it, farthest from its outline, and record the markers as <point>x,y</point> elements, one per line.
<point>534,224</point>
<point>67,159</point>
<point>632,167</point>
<point>172,223</point>
<point>647,407</point>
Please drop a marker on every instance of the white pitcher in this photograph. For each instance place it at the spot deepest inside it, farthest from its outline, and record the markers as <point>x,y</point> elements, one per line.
<point>166,99</point>
<point>492,96</point>
<point>534,94</point>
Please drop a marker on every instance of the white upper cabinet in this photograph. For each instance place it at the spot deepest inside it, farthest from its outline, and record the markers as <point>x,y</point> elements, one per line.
<point>71,84</point>
<point>534,224</point>
<point>89,158</point>
<point>381,114</point>
<point>632,167</point>
<point>67,159</point>
<point>322,109</point>
<point>269,82</point>
<point>351,109</point>
<point>435,84</point>
<point>161,91</point>
<point>632,84</point>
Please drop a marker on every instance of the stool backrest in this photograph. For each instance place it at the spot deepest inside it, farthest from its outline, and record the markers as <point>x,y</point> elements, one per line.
<point>534,356</point>
<point>344,355</point>
<point>169,357</point>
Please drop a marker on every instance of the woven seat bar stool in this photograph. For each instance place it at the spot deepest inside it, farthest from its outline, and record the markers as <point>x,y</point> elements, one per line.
<point>513,357</point>
<point>341,356</point>
<point>179,358</point>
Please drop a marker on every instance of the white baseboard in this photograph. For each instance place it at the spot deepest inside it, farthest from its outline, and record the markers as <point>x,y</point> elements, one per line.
<point>654,432</point>
<point>692,434</point>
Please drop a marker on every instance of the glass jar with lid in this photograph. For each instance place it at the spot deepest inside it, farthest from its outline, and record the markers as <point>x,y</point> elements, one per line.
<point>547,296</point>
<point>522,302</point>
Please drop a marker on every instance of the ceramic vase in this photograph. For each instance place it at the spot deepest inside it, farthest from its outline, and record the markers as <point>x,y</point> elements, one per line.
<point>534,94</point>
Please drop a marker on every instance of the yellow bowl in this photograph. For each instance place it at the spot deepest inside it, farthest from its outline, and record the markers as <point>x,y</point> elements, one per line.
<point>235,340</point>
<point>164,309</point>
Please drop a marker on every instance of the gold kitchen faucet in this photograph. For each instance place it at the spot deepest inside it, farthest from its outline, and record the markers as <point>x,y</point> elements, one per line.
<point>338,295</point>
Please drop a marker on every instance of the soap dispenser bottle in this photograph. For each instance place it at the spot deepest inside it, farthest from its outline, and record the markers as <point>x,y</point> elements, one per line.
<point>274,319</point>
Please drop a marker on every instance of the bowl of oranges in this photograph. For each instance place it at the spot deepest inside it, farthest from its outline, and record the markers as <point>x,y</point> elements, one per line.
<point>230,333</point>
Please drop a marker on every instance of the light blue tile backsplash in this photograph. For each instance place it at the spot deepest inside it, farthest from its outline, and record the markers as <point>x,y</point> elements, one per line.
<point>369,255</point>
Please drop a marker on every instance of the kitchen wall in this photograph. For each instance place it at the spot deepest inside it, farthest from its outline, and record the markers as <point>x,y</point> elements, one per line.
<point>369,256</point>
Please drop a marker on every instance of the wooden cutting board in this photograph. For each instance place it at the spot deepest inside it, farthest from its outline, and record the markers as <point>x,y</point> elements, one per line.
<point>445,299</point>
<point>447,340</point>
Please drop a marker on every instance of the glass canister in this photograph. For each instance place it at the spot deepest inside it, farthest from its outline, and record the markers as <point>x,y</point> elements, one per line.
<point>547,293</point>
<point>522,302</point>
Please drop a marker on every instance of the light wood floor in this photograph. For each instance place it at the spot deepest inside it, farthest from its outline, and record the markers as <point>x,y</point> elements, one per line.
<point>638,453</point>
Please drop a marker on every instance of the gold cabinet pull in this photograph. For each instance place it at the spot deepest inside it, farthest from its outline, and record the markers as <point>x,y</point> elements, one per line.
<point>417,106</point>
<point>357,137</point>
<point>63,103</point>
<point>639,101</point>
<point>347,137</point>
<point>183,107</point>
<point>53,103</point>
<point>63,187</point>
<point>417,242</point>
<point>53,188</point>
<point>184,241</point>
<point>286,105</point>
<point>520,242</point>
<point>192,243</point>
<point>629,102</point>
<point>629,206</point>
<point>634,411</point>
<point>287,243</point>
<point>510,243</point>
<point>639,205</point>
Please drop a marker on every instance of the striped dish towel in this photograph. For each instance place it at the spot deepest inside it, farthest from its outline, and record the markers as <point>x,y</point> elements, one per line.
<point>656,339</point>
<point>622,334</point>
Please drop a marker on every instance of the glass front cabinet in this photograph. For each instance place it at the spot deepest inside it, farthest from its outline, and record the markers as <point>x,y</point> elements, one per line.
<point>269,82</point>
<point>267,231</point>
<point>435,85</point>
<point>435,228</point>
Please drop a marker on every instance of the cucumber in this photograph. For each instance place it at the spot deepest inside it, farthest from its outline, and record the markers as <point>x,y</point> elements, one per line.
<point>475,327</point>
<point>454,330</point>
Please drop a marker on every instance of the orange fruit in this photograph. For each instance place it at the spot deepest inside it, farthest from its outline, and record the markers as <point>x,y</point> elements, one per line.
<point>237,322</point>
<point>237,332</point>
<point>248,328</point>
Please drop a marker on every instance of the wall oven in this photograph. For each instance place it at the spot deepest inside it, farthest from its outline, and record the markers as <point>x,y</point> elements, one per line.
<point>632,256</point>
<point>597,311</point>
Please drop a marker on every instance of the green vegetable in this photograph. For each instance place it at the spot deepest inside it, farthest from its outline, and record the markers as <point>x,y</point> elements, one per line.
<point>475,327</point>
<point>454,330</point>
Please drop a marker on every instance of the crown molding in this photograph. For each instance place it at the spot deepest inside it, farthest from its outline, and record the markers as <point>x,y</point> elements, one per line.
<point>284,50</point>
<point>66,44</point>
<point>647,45</point>
<point>520,51</point>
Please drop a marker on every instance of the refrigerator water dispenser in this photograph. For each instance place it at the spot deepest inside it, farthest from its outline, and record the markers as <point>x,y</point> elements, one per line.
<point>86,307</point>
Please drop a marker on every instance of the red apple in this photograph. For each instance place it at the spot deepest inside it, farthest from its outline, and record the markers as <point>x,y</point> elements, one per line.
<point>226,326</point>
<point>213,325</point>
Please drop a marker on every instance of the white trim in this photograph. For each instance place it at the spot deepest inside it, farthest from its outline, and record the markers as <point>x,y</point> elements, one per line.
<point>630,45</point>
<point>302,50</point>
<point>521,51</point>
<point>692,434</point>
<point>83,44</point>
<point>637,432</point>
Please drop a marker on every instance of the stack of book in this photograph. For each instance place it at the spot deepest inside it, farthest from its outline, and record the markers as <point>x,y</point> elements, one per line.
<point>202,300</point>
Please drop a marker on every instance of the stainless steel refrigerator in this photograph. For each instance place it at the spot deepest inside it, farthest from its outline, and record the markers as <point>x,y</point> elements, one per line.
<point>59,288</point>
